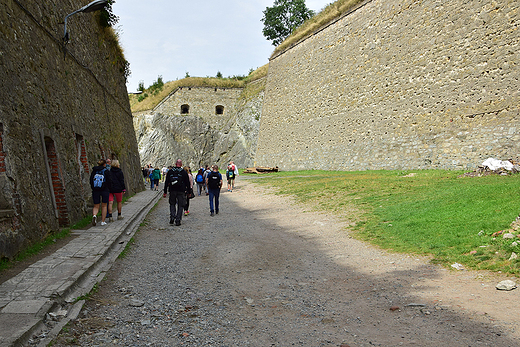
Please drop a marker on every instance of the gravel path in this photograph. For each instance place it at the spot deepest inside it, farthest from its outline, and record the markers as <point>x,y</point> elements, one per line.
<point>264,272</point>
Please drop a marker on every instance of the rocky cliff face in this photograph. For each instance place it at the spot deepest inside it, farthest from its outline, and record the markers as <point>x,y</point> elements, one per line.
<point>198,138</point>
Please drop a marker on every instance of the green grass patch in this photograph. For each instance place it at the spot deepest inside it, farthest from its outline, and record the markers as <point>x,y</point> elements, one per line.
<point>126,250</point>
<point>36,248</point>
<point>89,295</point>
<point>433,212</point>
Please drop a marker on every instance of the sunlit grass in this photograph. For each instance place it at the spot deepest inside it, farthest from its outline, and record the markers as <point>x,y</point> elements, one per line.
<point>433,213</point>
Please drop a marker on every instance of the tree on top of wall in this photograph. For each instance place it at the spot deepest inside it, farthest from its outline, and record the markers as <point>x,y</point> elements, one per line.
<point>281,19</point>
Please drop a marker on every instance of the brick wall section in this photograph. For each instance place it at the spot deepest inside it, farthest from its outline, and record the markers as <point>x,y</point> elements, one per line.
<point>83,160</point>
<point>2,153</point>
<point>57,184</point>
<point>398,85</point>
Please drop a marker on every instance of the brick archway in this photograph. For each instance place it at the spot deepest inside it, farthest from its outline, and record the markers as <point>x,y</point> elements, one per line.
<point>55,178</point>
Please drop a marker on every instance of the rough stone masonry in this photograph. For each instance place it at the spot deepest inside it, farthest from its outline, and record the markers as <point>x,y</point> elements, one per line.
<point>397,85</point>
<point>62,108</point>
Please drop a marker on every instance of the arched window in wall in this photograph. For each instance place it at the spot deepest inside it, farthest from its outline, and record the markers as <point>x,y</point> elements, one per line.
<point>219,109</point>
<point>185,109</point>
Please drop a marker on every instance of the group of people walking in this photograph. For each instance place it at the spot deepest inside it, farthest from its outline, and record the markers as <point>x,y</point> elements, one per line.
<point>153,175</point>
<point>108,184</point>
<point>179,183</point>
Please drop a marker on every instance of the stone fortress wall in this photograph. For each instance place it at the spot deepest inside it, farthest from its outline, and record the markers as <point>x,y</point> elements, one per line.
<point>60,112</point>
<point>202,126</point>
<point>213,105</point>
<point>411,84</point>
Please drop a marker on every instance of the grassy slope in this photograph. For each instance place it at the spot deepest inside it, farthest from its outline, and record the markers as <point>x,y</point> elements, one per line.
<point>153,99</point>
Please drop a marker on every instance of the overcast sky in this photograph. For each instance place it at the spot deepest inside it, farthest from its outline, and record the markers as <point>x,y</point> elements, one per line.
<point>170,38</point>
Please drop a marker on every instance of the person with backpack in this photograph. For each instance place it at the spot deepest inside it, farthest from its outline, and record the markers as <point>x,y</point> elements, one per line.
<point>100,182</point>
<point>156,177</point>
<point>117,189</point>
<point>199,179</point>
<point>178,183</point>
<point>230,175</point>
<point>206,173</point>
<point>214,183</point>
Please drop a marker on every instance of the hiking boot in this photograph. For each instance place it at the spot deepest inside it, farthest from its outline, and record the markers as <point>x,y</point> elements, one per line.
<point>211,214</point>
<point>94,220</point>
<point>216,211</point>
<point>119,217</point>
<point>110,219</point>
<point>177,222</point>
<point>171,220</point>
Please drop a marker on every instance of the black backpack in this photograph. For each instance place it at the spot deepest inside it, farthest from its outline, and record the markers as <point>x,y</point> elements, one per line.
<point>230,174</point>
<point>213,180</point>
<point>175,176</point>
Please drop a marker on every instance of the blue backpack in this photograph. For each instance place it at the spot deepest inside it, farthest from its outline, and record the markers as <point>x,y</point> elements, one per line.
<point>99,179</point>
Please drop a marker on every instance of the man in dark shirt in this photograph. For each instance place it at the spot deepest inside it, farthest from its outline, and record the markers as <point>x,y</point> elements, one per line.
<point>178,182</point>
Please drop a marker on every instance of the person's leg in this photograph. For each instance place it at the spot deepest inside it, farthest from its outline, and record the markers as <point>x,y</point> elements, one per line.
<point>119,200</point>
<point>181,201</point>
<point>103,211</point>
<point>187,207</point>
<point>96,198</point>
<point>211,207</point>
<point>95,211</point>
<point>110,204</point>
<point>217,198</point>
<point>151,183</point>
<point>173,207</point>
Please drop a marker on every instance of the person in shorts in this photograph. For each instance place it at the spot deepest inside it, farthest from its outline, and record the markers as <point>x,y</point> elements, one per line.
<point>117,189</point>
<point>100,182</point>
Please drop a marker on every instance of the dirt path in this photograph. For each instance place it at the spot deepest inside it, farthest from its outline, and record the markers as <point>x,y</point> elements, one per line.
<point>264,272</point>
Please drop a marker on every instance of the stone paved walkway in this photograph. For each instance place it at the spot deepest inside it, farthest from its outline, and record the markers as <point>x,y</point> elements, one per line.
<point>55,282</point>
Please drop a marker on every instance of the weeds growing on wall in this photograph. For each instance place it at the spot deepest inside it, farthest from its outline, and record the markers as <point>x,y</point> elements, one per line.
<point>325,16</point>
<point>431,212</point>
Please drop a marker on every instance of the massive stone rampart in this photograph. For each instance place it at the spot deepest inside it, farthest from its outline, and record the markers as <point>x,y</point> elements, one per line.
<point>60,112</point>
<point>397,85</point>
